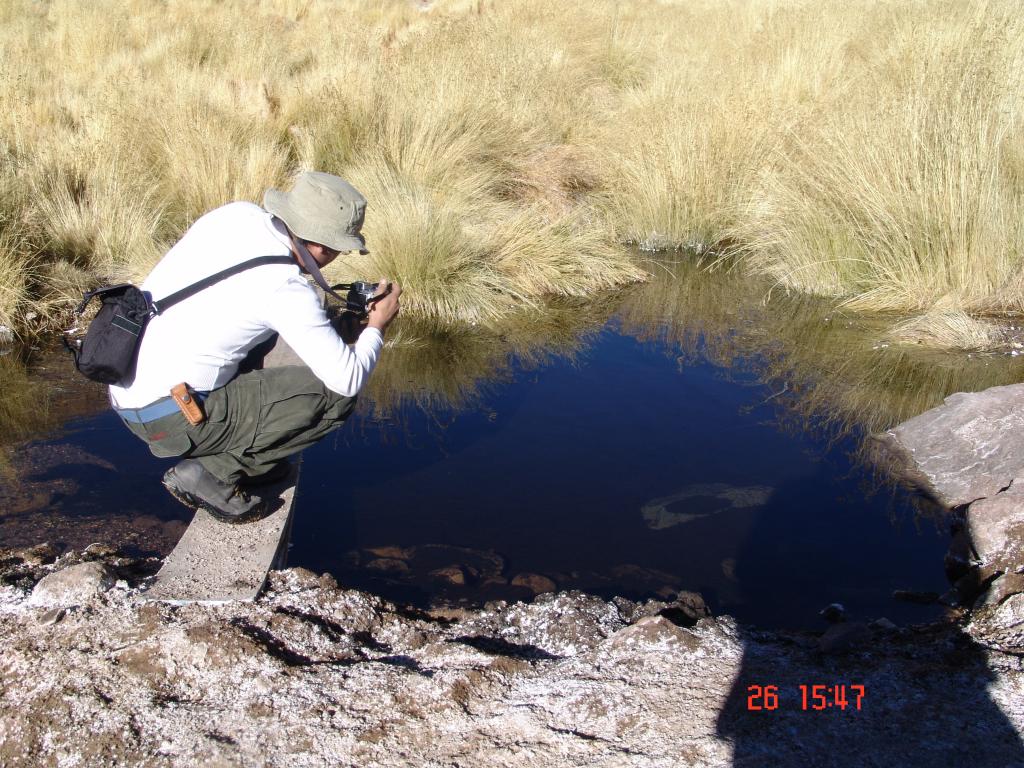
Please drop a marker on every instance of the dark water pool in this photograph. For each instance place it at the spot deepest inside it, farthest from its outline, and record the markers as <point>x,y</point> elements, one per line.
<point>618,466</point>
<point>624,472</point>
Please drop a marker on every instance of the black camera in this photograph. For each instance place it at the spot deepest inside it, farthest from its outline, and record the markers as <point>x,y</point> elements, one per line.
<point>361,295</point>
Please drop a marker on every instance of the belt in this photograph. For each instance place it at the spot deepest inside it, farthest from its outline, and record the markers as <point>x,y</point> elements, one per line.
<point>165,406</point>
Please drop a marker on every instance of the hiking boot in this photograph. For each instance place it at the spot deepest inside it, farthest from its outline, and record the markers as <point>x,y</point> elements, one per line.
<point>275,474</point>
<point>191,484</point>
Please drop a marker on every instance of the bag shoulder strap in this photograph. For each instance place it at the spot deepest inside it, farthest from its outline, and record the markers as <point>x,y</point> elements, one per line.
<point>90,295</point>
<point>169,301</point>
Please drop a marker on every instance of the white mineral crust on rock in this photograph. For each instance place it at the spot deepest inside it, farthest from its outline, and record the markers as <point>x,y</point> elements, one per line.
<point>310,674</point>
<point>72,586</point>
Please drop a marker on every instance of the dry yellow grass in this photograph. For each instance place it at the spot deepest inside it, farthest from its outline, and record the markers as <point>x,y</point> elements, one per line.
<point>871,150</point>
<point>906,194</point>
<point>947,329</point>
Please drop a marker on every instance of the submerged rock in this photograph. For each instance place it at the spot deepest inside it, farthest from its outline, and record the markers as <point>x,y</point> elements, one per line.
<point>391,552</point>
<point>450,574</point>
<point>702,500</point>
<point>445,564</point>
<point>833,612</point>
<point>388,565</point>
<point>883,624</point>
<point>534,582</point>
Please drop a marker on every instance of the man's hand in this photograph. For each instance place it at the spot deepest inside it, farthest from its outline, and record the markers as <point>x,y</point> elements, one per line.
<point>383,311</point>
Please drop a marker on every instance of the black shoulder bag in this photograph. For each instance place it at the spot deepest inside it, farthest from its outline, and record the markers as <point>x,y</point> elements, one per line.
<point>110,349</point>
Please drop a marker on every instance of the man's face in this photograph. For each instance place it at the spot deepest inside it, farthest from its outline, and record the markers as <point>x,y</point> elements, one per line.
<point>321,254</point>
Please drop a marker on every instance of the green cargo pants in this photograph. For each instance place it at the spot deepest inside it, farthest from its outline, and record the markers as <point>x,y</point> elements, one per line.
<point>252,422</point>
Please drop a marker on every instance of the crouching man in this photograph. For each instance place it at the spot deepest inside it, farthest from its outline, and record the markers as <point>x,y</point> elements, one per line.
<point>251,422</point>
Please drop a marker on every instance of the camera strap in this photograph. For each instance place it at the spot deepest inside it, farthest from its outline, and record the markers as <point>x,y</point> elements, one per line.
<point>312,267</point>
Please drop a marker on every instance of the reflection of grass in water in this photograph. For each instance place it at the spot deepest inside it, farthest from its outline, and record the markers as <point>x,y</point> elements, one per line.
<point>828,367</point>
<point>24,408</point>
<point>830,370</point>
<point>440,367</point>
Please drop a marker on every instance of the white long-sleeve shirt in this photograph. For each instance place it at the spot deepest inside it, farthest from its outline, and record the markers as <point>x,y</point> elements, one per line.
<point>203,339</point>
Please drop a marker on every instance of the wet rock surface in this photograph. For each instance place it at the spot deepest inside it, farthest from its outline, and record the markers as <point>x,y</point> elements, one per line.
<point>314,674</point>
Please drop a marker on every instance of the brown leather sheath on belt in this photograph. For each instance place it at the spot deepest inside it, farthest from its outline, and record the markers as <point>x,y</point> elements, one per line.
<point>188,404</point>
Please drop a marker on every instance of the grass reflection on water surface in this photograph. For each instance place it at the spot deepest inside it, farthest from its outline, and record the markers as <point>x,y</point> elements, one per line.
<point>831,370</point>
<point>834,369</point>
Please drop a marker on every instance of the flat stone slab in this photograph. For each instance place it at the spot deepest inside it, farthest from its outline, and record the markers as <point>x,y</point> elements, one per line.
<point>217,562</point>
<point>970,447</point>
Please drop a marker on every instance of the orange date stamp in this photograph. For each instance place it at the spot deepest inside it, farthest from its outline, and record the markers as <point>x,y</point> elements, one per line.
<point>813,698</point>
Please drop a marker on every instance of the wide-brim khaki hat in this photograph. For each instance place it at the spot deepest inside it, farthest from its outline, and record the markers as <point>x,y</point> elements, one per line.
<point>321,208</point>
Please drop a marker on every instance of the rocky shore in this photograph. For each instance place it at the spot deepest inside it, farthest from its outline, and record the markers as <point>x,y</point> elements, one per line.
<point>314,674</point>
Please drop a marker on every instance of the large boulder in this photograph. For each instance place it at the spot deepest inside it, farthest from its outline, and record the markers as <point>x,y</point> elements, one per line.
<point>969,453</point>
<point>969,448</point>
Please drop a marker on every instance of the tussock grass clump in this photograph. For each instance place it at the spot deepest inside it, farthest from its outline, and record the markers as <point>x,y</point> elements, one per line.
<point>458,125</point>
<point>420,242</point>
<point>947,329</point>
<point>872,151</point>
<point>905,196</point>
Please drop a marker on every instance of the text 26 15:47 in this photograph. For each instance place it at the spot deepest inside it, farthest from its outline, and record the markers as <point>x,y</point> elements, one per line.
<point>812,697</point>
